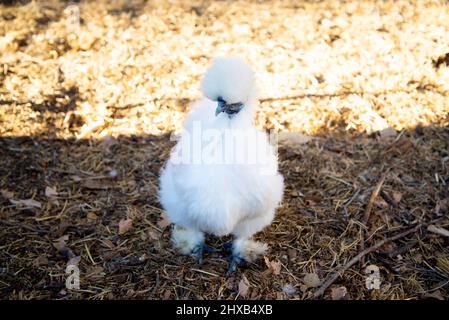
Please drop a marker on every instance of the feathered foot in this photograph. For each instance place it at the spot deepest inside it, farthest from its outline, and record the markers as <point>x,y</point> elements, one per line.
<point>244,251</point>
<point>199,250</point>
<point>191,243</point>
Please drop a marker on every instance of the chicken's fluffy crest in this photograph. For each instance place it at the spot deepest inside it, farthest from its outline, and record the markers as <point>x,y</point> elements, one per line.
<point>230,78</point>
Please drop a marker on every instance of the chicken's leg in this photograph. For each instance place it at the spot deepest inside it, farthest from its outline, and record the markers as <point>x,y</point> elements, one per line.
<point>244,251</point>
<point>190,242</point>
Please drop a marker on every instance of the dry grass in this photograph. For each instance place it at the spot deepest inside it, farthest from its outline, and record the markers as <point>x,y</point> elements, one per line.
<point>79,101</point>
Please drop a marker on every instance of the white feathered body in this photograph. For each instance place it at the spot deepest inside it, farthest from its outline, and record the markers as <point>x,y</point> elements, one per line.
<point>203,195</point>
<point>220,199</point>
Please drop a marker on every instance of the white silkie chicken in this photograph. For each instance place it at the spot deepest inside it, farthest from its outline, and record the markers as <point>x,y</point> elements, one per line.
<point>200,191</point>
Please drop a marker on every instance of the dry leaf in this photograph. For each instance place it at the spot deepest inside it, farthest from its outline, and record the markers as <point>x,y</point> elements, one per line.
<point>312,280</point>
<point>292,253</point>
<point>401,146</point>
<point>124,226</point>
<point>74,261</point>
<point>40,261</point>
<point>379,202</point>
<point>338,293</point>
<point>441,206</point>
<point>50,192</point>
<point>164,222</point>
<point>388,133</point>
<point>108,243</point>
<point>254,294</point>
<point>95,272</point>
<point>313,199</point>
<point>61,242</point>
<point>87,129</point>
<point>273,266</point>
<point>266,273</point>
<point>294,138</point>
<point>434,295</point>
<point>7,194</point>
<point>397,197</point>
<point>92,216</point>
<point>76,178</point>
<point>62,228</point>
<point>96,184</point>
<point>243,287</point>
<point>28,203</point>
<point>108,141</point>
<point>289,289</point>
<point>153,235</point>
<point>167,294</point>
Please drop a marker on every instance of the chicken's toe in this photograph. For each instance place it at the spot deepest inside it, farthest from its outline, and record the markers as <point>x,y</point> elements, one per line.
<point>199,250</point>
<point>234,262</point>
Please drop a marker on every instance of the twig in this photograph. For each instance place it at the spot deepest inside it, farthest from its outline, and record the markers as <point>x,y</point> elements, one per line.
<point>346,205</point>
<point>388,199</point>
<point>354,260</point>
<point>27,228</point>
<point>369,208</point>
<point>373,198</point>
<point>438,230</point>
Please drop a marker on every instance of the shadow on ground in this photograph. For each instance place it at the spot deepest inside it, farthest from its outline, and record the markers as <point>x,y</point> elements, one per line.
<point>319,227</point>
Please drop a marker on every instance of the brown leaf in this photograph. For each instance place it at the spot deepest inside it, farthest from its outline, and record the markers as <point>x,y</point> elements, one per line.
<point>401,146</point>
<point>40,261</point>
<point>92,216</point>
<point>312,280</point>
<point>397,197</point>
<point>28,203</point>
<point>273,266</point>
<point>339,293</point>
<point>243,287</point>
<point>379,202</point>
<point>61,242</point>
<point>164,222</point>
<point>124,226</point>
<point>167,294</point>
<point>292,253</point>
<point>294,138</point>
<point>442,206</point>
<point>108,243</point>
<point>62,228</point>
<point>313,199</point>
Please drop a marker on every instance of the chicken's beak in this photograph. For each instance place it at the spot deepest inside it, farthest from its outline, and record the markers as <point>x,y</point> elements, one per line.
<point>220,107</point>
